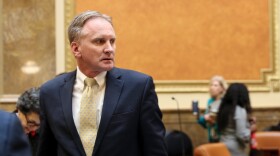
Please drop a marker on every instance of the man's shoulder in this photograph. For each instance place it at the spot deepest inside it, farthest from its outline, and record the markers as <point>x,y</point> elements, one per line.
<point>59,80</point>
<point>7,117</point>
<point>128,73</point>
<point>4,114</point>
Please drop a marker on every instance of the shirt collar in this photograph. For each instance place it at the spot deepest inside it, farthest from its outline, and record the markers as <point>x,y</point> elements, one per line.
<point>100,78</point>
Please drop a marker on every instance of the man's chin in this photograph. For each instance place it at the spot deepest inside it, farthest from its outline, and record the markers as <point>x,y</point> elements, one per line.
<point>108,68</point>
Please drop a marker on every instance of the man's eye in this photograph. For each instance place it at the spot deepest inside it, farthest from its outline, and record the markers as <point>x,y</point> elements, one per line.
<point>112,41</point>
<point>99,41</point>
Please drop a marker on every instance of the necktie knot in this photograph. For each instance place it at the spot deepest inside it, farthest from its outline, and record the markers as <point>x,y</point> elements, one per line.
<point>90,82</point>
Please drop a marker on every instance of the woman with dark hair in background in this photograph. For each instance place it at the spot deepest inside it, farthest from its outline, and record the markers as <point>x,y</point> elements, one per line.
<point>28,110</point>
<point>233,119</point>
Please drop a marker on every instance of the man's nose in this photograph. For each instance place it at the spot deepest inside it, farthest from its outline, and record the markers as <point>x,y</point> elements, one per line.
<point>109,48</point>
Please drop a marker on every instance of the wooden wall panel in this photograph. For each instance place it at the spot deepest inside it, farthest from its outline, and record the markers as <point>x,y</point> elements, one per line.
<point>190,40</point>
<point>265,118</point>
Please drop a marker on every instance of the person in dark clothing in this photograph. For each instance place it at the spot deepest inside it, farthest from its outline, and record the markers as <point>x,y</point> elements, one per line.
<point>274,127</point>
<point>178,144</point>
<point>27,110</point>
<point>13,142</point>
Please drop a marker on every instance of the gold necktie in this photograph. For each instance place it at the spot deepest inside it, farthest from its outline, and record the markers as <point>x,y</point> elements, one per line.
<point>88,112</point>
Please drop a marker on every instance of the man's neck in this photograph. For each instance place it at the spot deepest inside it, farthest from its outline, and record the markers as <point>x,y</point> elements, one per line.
<point>89,72</point>
<point>92,74</point>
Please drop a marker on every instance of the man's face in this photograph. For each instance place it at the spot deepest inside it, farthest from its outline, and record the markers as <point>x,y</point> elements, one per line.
<point>30,122</point>
<point>95,49</point>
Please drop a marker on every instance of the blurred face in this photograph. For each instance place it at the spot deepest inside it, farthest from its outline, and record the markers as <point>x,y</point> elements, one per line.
<point>95,49</point>
<point>30,122</point>
<point>216,90</point>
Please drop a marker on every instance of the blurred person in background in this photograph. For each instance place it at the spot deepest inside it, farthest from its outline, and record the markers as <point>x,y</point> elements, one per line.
<point>28,112</point>
<point>273,127</point>
<point>178,143</point>
<point>233,119</point>
<point>217,90</point>
<point>13,142</point>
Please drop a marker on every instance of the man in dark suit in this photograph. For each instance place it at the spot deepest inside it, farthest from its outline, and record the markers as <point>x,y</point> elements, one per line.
<point>126,120</point>
<point>13,141</point>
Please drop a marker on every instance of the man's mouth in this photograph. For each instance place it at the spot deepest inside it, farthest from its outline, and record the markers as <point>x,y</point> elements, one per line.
<point>107,59</point>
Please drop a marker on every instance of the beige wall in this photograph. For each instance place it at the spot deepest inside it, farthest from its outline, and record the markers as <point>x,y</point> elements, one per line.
<point>258,100</point>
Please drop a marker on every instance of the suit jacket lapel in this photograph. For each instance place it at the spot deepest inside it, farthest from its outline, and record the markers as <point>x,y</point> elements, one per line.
<point>112,93</point>
<point>66,100</point>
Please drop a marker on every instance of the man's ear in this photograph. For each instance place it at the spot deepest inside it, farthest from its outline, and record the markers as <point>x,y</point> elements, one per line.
<point>75,49</point>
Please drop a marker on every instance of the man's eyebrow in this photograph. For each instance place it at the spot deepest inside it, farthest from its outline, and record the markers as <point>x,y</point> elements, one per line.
<point>105,36</point>
<point>97,38</point>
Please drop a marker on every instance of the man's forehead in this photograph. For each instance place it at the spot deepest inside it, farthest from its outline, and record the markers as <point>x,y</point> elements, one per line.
<point>98,23</point>
<point>99,27</point>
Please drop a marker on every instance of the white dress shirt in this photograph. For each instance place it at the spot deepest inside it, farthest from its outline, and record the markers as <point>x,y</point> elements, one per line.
<point>77,96</point>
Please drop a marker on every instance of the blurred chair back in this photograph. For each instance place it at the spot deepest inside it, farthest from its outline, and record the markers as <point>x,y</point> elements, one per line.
<point>267,142</point>
<point>212,149</point>
<point>178,144</point>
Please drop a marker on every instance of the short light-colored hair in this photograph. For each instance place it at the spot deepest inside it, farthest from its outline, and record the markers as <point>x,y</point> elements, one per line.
<point>76,26</point>
<point>221,81</point>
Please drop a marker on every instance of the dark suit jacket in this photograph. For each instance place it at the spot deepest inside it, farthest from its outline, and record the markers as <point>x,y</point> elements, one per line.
<point>13,141</point>
<point>130,123</point>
